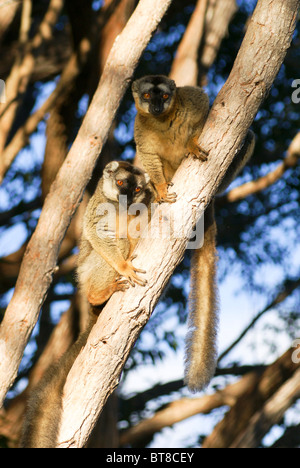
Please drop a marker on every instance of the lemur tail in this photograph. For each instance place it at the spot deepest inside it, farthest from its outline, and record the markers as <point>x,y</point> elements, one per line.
<point>201,347</point>
<point>43,414</point>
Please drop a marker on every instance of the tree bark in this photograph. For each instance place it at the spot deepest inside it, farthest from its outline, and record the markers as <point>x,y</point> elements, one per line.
<point>21,72</point>
<point>184,408</point>
<point>255,186</point>
<point>219,15</point>
<point>286,290</point>
<point>40,259</point>
<point>7,15</point>
<point>252,401</point>
<point>270,414</point>
<point>62,337</point>
<point>184,69</point>
<point>96,371</point>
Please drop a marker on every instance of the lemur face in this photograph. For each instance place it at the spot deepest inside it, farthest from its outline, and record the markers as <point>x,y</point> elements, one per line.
<point>154,94</point>
<point>122,178</point>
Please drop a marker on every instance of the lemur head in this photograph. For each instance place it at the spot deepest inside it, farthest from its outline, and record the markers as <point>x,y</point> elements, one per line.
<point>154,94</point>
<point>122,178</point>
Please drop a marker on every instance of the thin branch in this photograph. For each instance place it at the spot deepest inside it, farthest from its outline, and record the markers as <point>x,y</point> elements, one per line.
<point>184,68</point>
<point>253,187</point>
<point>20,209</point>
<point>20,139</point>
<point>236,420</point>
<point>271,413</point>
<point>8,11</point>
<point>138,402</point>
<point>25,21</point>
<point>19,78</point>
<point>288,288</point>
<point>182,409</point>
<point>219,16</point>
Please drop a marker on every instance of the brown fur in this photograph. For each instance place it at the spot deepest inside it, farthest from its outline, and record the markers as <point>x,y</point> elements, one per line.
<point>104,258</point>
<point>162,143</point>
<point>43,412</point>
<point>101,261</point>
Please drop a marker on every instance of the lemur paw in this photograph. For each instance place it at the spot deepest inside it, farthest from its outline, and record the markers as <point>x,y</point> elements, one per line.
<point>163,195</point>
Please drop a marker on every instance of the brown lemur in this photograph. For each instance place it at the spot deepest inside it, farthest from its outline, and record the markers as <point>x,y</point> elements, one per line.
<point>167,128</point>
<point>105,256</point>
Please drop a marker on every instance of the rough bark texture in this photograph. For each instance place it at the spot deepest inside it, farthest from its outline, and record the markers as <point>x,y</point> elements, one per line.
<point>255,186</point>
<point>39,262</point>
<point>219,15</point>
<point>271,413</point>
<point>8,12</point>
<point>21,72</point>
<point>185,68</point>
<point>236,420</point>
<point>176,411</point>
<point>96,372</point>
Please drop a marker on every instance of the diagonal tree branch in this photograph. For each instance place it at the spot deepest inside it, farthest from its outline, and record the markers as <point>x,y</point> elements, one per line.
<point>184,69</point>
<point>19,77</point>
<point>270,414</point>
<point>8,10</point>
<point>236,420</point>
<point>219,16</point>
<point>287,289</point>
<point>250,188</point>
<point>71,71</point>
<point>178,410</point>
<point>96,371</point>
<point>40,259</point>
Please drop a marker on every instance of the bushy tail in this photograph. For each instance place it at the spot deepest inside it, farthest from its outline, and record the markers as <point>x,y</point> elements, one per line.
<point>201,348</point>
<point>43,414</point>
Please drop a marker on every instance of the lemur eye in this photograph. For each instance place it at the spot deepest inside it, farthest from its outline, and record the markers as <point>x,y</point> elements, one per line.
<point>146,95</point>
<point>120,183</point>
<point>165,96</point>
<point>138,189</point>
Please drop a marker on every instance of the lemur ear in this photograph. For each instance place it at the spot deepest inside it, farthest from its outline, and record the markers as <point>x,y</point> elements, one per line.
<point>134,86</point>
<point>172,84</point>
<point>110,168</point>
